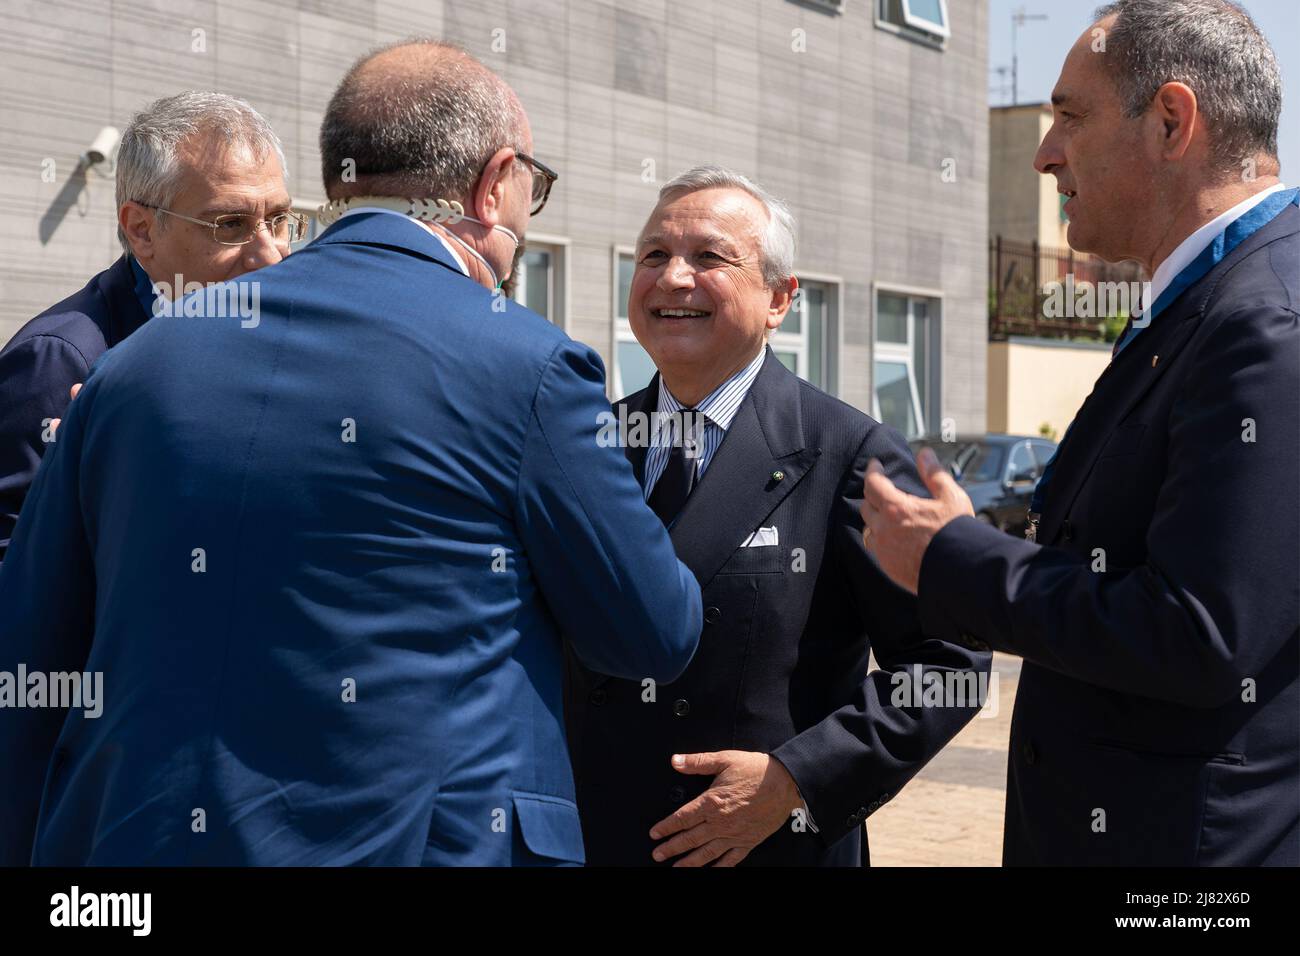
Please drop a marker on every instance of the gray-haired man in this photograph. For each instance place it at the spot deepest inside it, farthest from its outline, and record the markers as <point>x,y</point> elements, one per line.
<point>201,198</point>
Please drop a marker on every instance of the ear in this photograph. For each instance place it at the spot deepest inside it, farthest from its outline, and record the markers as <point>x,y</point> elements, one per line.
<point>1175,108</point>
<point>782,299</point>
<point>140,227</point>
<point>490,190</point>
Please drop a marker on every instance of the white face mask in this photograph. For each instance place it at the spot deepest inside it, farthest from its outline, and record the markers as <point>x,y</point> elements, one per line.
<point>427,210</point>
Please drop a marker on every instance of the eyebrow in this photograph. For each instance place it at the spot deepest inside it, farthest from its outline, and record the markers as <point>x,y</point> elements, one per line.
<point>1060,98</point>
<point>271,209</point>
<point>712,239</point>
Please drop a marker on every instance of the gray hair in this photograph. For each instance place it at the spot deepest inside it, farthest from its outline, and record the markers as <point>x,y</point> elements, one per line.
<point>421,127</point>
<point>1215,48</point>
<point>778,239</point>
<point>148,165</point>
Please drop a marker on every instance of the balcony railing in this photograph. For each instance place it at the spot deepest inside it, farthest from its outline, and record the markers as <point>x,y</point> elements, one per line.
<point>1047,292</point>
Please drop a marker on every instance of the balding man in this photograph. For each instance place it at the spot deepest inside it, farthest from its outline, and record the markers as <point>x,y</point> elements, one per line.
<point>323,561</point>
<point>201,196</point>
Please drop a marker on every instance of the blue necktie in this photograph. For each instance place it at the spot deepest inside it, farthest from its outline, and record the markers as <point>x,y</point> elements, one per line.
<point>1237,232</point>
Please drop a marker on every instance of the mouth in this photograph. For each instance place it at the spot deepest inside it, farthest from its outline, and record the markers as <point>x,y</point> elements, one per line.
<point>680,313</point>
<point>1071,195</point>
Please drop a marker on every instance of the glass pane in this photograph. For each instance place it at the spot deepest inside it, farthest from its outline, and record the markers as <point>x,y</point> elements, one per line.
<point>793,322</point>
<point>789,359</point>
<point>815,312</point>
<point>1022,462</point>
<point>635,369</point>
<point>920,358</point>
<point>537,282</point>
<point>894,394</point>
<point>626,266</point>
<point>929,10</point>
<point>891,318</point>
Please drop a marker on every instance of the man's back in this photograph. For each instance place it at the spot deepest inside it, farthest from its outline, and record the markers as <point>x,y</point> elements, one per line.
<point>326,627</point>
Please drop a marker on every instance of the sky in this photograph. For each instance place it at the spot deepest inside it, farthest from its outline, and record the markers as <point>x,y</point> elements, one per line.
<point>1042,45</point>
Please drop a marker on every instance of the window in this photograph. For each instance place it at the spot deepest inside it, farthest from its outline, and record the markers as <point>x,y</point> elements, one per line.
<point>905,372</point>
<point>539,279</point>
<point>1021,465</point>
<point>807,341</point>
<point>633,367</point>
<point>925,20</point>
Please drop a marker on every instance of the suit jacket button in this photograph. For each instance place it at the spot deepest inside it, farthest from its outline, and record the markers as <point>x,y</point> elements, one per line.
<point>677,795</point>
<point>712,615</point>
<point>681,707</point>
<point>598,696</point>
<point>1028,753</point>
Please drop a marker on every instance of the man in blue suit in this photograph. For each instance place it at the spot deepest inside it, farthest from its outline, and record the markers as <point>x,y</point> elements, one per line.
<point>323,555</point>
<point>1157,610</point>
<point>197,174</point>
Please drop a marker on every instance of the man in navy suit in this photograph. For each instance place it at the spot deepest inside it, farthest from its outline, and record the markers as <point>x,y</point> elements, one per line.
<point>776,743</point>
<point>323,559</point>
<point>185,161</point>
<point>1156,718</point>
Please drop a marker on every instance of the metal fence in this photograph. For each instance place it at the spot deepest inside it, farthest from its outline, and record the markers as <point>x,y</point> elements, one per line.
<point>1024,301</point>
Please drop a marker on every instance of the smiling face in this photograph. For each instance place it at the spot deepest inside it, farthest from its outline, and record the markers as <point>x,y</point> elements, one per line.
<point>698,303</point>
<point>1103,160</point>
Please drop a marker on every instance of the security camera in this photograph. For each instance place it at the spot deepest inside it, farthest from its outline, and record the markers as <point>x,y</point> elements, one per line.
<point>102,147</point>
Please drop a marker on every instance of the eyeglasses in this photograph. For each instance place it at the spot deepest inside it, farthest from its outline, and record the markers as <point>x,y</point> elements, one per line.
<point>543,179</point>
<point>237,229</point>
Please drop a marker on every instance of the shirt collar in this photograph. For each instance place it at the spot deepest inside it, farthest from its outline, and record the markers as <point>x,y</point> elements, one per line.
<point>1193,245</point>
<point>720,405</point>
<point>419,223</point>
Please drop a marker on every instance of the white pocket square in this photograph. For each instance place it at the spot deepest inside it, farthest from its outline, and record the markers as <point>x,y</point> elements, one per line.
<point>762,538</point>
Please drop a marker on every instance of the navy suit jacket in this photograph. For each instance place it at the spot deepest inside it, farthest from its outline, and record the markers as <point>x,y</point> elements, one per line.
<point>789,628</point>
<point>44,359</point>
<point>1157,719</point>
<point>324,563</point>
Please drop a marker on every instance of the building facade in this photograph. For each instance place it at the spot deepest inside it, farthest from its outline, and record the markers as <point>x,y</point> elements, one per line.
<point>869,117</point>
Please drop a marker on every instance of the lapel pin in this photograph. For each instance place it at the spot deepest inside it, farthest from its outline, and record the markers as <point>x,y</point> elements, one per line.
<point>778,476</point>
<point>1154,359</point>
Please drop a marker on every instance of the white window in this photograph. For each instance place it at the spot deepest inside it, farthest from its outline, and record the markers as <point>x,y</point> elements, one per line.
<point>905,392</point>
<point>539,280</point>
<point>807,342</point>
<point>925,20</point>
<point>633,367</point>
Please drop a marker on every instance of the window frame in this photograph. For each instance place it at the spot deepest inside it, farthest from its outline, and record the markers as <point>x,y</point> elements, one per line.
<point>905,352</point>
<point>559,247</point>
<point>925,35</point>
<point>918,22</point>
<point>798,341</point>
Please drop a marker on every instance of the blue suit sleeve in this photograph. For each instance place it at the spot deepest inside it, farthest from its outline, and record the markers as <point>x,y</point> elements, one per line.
<point>602,559</point>
<point>1216,599</point>
<point>35,377</point>
<point>868,749</point>
<point>47,590</point>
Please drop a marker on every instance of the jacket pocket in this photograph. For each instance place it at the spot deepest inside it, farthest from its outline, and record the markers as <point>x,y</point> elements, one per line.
<point>1141,751</point>
<point>549,825</point>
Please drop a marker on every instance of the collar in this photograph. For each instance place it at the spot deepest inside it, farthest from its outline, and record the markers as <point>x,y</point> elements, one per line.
<point>143,285</point>
<point>418,224</point>
<point>720,405</point>
<point>1193,245</point>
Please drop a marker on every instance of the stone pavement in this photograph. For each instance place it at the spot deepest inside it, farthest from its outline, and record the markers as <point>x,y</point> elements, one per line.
<point>950,814</point>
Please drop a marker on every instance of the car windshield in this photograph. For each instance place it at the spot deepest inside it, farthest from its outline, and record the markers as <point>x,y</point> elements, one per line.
<point>976,461</point>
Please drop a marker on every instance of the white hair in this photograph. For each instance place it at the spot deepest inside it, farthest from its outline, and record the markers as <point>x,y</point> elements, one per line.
<point>778,240</point>
<point>148,168</point>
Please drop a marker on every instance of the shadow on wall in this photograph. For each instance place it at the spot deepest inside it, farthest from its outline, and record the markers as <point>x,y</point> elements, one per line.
<point>65,200</point>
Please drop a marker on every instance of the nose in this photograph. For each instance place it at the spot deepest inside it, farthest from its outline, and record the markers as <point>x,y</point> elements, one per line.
<point>1049,157</point>
<point>676,275</point>
<point>262,250</point>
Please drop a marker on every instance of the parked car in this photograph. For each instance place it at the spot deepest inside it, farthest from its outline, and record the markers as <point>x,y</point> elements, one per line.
<point>999,472</point>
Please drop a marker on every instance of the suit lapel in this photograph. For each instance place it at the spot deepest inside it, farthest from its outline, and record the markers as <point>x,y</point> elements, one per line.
<point>738,490</point>
<point>643,402</point>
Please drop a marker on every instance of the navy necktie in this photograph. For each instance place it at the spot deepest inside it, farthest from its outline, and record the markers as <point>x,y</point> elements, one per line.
<point>677,481</point>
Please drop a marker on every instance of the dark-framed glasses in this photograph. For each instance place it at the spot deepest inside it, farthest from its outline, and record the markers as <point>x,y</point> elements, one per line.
<point>543,179</point>
<point>237,229</point>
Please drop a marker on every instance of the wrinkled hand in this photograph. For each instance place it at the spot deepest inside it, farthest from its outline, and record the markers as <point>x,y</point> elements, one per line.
<point>898,527</point>
<point>72,393</point>
<point>752,795</point>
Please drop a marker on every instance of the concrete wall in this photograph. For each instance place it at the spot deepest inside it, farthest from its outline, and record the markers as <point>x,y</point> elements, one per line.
<point>1032,381</point>
<point>853,129</point>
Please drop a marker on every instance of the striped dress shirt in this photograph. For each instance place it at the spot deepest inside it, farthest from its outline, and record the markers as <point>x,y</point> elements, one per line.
<point>717,410</point>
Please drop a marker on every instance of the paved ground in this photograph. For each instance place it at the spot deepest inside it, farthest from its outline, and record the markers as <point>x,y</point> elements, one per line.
<point>951,812</point>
